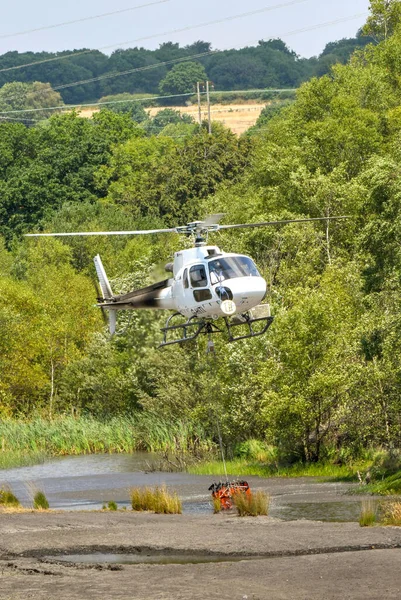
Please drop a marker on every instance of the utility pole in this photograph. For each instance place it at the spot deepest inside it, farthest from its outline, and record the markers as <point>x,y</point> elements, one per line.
<point>208,107</point>
<point>199,104</point>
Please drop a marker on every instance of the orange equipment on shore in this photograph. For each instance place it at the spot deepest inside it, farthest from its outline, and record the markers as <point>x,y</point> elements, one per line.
<point>225,491</point>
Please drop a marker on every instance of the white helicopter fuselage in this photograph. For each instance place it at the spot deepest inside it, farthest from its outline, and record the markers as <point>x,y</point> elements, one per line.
<point>206,283</point>
<point>211,284</point>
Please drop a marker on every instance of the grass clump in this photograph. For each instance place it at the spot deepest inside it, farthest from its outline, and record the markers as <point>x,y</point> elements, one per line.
<point>252,505</point>
<point>8,499</point>
<point>112,505</point>
<point>388,485</point>
<point>157,500</point>
<point>368,516</point>
<point>40,502</point>
<point>216,505</point>
<point>391,513</point>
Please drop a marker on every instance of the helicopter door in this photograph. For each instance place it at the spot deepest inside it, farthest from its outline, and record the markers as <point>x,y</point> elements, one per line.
<point>199,283</point>
<point>184,292</point>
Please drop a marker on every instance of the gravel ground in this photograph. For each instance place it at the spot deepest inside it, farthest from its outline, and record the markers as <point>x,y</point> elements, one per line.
<point>305,560</point>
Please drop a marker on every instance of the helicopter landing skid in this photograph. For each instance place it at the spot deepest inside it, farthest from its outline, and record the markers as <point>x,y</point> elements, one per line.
<point>194,326</point>
<point>189,330</point>
<point>248,320</point>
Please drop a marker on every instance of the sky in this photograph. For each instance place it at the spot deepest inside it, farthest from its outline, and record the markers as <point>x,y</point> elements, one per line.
<point>149,26</point>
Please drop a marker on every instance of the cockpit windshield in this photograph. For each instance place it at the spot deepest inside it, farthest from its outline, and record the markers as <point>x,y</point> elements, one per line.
<point>230,267</point>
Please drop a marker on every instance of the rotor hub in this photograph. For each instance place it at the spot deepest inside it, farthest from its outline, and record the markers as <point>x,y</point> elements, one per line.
<point>199,230</point>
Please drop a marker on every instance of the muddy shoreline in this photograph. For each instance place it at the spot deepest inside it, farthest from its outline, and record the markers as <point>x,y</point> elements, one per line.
<point>309,548</point>
<point>273,559</point>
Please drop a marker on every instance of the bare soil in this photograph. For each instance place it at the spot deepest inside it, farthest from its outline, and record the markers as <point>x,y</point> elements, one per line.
<point>291,560</point>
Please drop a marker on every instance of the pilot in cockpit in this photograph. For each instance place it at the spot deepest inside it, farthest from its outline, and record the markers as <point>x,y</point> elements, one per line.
<point>216,272</point>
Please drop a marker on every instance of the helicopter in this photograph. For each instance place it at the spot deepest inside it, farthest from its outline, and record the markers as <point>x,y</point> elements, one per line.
<point>205,285</point>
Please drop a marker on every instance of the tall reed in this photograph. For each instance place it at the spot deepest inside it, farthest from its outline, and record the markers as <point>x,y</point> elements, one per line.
<point>66,435</point>
<point>368,514</point>
<point>391,513</point>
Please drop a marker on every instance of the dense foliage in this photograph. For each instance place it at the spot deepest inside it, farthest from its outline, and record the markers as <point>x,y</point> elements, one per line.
<point>325,381</point>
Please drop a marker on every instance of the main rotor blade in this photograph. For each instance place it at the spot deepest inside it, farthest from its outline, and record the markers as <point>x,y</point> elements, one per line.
<point>213,219</point>
<point>144,232</point>
<point>284,222</point>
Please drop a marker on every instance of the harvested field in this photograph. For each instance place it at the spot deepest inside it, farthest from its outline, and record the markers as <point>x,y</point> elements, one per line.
<point>237,117</point>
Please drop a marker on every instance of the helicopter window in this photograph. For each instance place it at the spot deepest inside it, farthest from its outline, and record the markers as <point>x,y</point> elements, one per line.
<point>185,278</point>
<point>197,274</point>
<point>202,295</point>
<point>230,267</point>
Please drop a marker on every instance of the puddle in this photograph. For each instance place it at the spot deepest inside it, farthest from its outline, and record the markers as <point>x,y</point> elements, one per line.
<point>144,558</point>
<point>333,512</point>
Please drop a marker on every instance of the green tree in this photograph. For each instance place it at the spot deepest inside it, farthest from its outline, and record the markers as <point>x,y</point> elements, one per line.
<point>385,16</point>
<point>19,96</point>
<point>167,116</point>
<point>182,78</point>
<point>125,103</point>
<point>45,167</point>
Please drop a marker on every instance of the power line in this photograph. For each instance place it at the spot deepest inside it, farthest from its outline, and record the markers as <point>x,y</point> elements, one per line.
<point>20,119</point>
<point>148,37</point>
<point>108,14</point>
<point>160,64</point>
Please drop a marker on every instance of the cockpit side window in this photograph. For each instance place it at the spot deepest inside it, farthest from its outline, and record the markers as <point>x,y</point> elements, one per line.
<point>198,277</point>
<point>185,279</point>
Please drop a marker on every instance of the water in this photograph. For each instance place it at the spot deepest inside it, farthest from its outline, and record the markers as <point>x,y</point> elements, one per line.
<point>90,481</point>
<point>140,558</point>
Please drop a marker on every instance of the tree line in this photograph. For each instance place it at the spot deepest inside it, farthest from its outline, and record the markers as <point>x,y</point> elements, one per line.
<point>270,64</point>
<point>325,381</point>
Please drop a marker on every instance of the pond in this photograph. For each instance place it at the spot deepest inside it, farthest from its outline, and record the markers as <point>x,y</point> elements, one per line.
<point>90,481</point>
